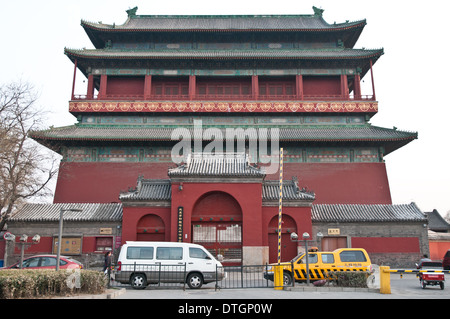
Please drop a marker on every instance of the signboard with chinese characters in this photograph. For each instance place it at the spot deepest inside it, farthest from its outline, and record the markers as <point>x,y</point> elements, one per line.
<point>334,231</point>
<point>180,225</point>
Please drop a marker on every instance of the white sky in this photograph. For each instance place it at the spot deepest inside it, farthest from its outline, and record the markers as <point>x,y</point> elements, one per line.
<point>411,78</point>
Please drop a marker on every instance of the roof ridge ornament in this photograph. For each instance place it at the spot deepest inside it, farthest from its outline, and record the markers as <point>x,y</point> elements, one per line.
<point>317,11</point>
<point>132,12</point>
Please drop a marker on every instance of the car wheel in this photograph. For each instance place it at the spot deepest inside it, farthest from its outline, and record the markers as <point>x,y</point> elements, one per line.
<point>423,284</point>
<point>138,281</point>
<point>195,280</point>
<point>287,279</point>
<point>442,285</point>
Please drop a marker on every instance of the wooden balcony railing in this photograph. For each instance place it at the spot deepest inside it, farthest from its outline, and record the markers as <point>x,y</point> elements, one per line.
<point>222,97</point>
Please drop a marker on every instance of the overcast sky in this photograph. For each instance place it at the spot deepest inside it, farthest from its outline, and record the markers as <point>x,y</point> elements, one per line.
<point>411,78</point>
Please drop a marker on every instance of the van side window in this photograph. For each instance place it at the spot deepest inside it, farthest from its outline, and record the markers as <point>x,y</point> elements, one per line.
<point>327,258</point>
<point>352,256</point>
<point>198,253</point>
<point>169,253</point>
<point>140,253</point>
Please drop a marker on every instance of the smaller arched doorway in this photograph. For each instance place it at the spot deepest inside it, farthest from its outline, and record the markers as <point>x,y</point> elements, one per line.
<point>150,228</point>
<point>288,247</point>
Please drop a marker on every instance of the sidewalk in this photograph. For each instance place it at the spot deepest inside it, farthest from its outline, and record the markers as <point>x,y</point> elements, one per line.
<point>108,294</point>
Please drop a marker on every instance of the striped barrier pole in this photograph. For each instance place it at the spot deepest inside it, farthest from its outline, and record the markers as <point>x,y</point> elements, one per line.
<point>278,273</point>
<point>280,205</point>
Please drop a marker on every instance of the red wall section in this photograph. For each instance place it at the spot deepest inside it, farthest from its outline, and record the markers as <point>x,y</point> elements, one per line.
<point>341,183</point>
<point>387,244</point>
<point>132,215</point>
<point>321,85</point>
<point>125,85</point>
<point>438,249</point>
<point>98,182</point>
<point>333,183</point>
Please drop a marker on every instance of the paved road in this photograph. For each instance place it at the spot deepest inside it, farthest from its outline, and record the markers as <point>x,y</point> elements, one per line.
<point>401,288</point>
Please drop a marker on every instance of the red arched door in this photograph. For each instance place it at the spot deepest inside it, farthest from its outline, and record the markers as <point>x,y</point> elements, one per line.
<point>150,228</point>
<point>288,247</point>
<point>217,225</point>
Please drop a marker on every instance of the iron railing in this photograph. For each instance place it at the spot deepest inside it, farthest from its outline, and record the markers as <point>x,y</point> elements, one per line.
<point>175,276</point>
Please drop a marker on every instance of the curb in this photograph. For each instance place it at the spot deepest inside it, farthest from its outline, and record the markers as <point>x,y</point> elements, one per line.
<point>108,294</point>
<point>332,289</point>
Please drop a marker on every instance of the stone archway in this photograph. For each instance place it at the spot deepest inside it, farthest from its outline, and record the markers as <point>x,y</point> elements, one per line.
<point>288,247</point>
<point>217,225</point>
<point>150,228</point>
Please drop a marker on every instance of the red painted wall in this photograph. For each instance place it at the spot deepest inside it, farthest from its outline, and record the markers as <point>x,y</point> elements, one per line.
<point>387,244</point>
<point>321,85</point>
<point>132,215</point>
<point>97,182</point>
<point>438,249</point>
<point>125,85</point>
<point>341,183</point>
<point>333,183</point>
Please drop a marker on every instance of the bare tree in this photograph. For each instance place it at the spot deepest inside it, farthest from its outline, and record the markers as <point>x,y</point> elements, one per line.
<point>26,168</point>
<point>447,216</point>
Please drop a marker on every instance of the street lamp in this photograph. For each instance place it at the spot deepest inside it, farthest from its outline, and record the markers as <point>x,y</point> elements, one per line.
<point>305,236</point>
<point>305,239</point>
<point>61,213</point>
<point>319,236</point>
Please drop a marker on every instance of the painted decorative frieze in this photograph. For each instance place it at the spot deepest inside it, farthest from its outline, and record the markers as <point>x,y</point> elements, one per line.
<point>274,107</point>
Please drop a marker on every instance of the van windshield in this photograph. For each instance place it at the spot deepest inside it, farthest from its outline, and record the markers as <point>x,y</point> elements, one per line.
<point>198,253</point>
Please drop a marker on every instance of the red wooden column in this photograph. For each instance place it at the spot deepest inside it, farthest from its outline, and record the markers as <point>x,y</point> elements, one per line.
<point>344,87</point>
<point>74,78</point>
<point>103,84</point>
<point>90,88</point>
<point>373,83</point>
<point>299,86</point>
<point>192,87</point>
<point>147,87</point>
<point>255,87</point>
<point>357,87</point>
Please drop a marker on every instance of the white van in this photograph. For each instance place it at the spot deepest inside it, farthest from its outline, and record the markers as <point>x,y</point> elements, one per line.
<point>141,263</point>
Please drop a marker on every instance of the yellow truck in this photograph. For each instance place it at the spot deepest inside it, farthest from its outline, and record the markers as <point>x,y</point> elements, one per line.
<point>321,262</point>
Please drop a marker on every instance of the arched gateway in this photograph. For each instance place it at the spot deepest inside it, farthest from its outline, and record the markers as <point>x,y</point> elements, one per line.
<point>217,225</point>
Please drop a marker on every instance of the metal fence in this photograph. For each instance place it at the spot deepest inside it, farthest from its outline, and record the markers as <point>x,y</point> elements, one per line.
<point>175,276</point>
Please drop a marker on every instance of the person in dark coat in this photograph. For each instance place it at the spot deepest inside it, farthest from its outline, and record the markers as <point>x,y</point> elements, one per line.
<point>107,264</point>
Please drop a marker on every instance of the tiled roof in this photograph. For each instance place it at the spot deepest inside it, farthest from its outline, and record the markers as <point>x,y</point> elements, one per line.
<point>149,190</point>
<point>436,222</point>
<point>199,164</point>
<point>305,133</point>
<point>90,212</point>
<point>338,53</point>
<point>366,213</point>
<point>160,190</point>
<point>291,191</point>
<point>223,22</point>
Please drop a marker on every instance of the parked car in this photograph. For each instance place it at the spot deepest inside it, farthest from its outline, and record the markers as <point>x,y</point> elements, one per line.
<point>320,262</point>
<point>446,260</point>
<point>47,262</point>
<point>141,263</point>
